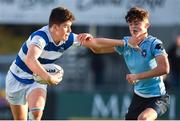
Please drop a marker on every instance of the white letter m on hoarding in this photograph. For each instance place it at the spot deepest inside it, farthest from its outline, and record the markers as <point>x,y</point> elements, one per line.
<point>99,107</point>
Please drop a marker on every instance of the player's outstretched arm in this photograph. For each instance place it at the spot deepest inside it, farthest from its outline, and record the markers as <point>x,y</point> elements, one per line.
<point>106,42</point>
<point>88,41</point>
<point>99,45</point>
<point>106,45</point>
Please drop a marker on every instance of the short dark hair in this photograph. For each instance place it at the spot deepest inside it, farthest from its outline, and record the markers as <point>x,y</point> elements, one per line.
<point>136,14</point>
<point>60,15</point>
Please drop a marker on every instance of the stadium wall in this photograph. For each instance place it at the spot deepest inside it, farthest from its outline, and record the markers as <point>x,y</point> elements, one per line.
<point>76,106</point>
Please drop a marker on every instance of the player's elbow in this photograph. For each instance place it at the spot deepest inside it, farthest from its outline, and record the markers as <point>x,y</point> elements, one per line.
<point>165,69</point>
<point>96,51</point>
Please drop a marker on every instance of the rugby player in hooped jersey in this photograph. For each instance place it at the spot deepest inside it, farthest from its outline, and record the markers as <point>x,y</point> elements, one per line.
<point>44,46</point>
<point>147,63</point>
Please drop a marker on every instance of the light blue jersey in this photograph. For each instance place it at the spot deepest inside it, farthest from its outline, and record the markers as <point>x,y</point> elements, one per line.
<point>51,52</point>
<point>142,61</point>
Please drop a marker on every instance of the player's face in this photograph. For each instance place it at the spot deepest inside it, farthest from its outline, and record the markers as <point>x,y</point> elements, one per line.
<point>138,27</point>
<point>62,31</point>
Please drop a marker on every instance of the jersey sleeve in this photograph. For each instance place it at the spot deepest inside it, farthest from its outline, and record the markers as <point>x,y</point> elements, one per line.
<point>38,41</point>
<point>158,48</point>
<point>120,49</point>
<point>75,42</point>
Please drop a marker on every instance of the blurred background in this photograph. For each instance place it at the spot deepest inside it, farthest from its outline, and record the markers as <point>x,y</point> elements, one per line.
<point>94,86</point>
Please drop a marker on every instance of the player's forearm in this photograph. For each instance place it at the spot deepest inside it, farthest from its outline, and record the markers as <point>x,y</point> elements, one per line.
<point>104,45</point>
<point>105,42</point>
<point>158,71</point>
<point>161,69</point>
<point>36,68</point>
<point>103,50</point>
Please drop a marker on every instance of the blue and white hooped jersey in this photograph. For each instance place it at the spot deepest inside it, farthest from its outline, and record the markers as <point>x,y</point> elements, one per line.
<point>142,61</point>
<point>51,52</point>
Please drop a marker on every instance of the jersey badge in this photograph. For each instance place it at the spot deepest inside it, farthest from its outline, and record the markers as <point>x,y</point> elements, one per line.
<point>128,53</point>
<point>159,46</point>
<point>144,53</point>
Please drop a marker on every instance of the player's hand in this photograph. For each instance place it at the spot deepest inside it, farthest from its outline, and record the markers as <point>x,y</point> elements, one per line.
<point>55,78</point>
<point>132,78</point>
<point>85,38</point>
<point>136,39</point>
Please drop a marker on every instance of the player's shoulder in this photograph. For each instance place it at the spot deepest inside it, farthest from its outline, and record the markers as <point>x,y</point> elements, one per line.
<point>41,33</point>
<point>153,40</point>
<point>156,43</point>
<point>44,28</point>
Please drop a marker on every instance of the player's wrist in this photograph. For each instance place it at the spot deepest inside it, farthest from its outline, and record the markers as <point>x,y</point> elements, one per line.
<point>48,78</point>
<point>139,76</point>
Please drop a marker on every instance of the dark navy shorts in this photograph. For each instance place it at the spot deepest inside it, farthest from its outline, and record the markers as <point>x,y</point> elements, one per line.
<point>139,104</point>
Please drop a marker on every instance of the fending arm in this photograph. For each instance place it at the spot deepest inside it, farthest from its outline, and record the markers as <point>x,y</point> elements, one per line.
<point>103,45</point>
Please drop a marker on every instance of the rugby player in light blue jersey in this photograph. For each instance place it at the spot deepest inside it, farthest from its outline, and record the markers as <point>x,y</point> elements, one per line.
<point>147,61</point>
<point>44,46</point>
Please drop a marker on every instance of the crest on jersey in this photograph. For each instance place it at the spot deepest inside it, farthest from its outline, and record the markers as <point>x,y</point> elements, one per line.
<point>159,47</point>
<point>144,53</point>
<point>127,52</point>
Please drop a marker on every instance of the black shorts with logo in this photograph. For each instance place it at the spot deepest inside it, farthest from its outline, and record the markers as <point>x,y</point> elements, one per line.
<point>139,104</point>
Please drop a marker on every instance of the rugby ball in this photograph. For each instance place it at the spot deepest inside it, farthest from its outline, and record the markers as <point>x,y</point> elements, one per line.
<point>50,68</point>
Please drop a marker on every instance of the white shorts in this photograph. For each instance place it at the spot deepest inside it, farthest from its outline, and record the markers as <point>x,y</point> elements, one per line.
<point>17,92</point>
